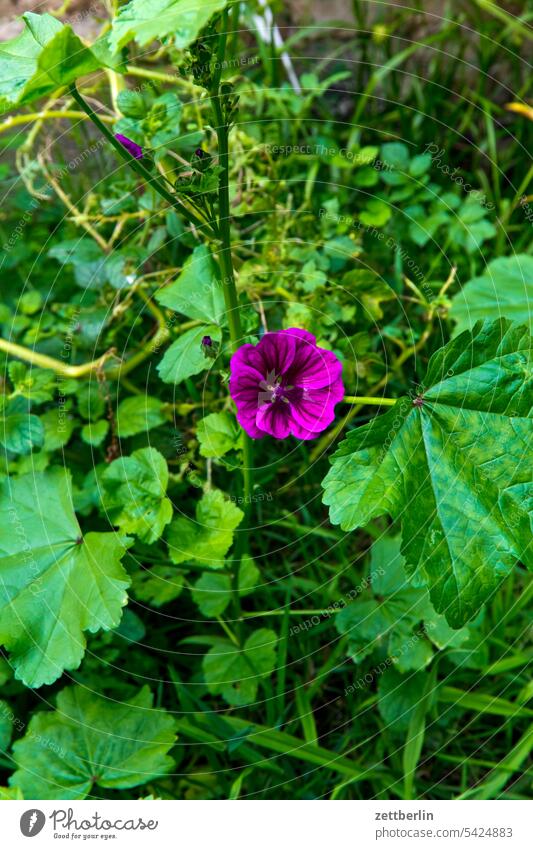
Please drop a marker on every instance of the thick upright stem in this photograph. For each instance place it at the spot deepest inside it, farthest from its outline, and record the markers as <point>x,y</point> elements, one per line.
<point>229,287</point>
<point>226,262</point>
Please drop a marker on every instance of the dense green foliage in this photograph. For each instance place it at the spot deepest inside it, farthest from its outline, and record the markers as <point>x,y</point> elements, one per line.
<point>346,617</point>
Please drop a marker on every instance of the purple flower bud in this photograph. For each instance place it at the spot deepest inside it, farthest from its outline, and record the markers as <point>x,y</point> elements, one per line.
<point>207,341</point>
<point>199,153</point>
<point>135,149</point>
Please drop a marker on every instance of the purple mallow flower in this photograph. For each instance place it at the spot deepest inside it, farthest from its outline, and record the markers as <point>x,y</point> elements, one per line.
<point>135,149</point>
<point>285,385</point>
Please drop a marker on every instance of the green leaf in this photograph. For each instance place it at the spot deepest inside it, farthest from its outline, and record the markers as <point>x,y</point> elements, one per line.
<point>55,584</point>
<point>505,288</point>
<point>376,213</point>
<point>390,614</point>
<point>138,414</point>
<point>197,293</point>
<point>20,431</point>
<point>90,740</point>
<point>419,165</point>
<point>58,428</point>
<point>35,384</point>
<point>91,404</point>
<point>398,698</point>
<point>212,592</point>
<point>131,104</point>
<point>9,793</point>
<point>186,356</point>
<point>87,258</point>
<point>94,433</point>
<point>208,539</point>
<point>158,585</point>
<point>150,20</point>
<point>44,57</point>
<point>235,674</point>
<point>452,467</point>
<point>134,494</point>
<point>369,291</point>
<point>217,434</point>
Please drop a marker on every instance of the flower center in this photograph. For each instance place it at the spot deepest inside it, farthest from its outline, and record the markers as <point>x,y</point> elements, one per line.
<point>273,390</point>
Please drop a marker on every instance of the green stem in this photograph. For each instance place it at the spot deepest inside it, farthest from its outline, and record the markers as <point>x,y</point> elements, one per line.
<point>49,114</point>
<point>226,263</point>
<point>137,165</point>
<point>44,361</point>
<point>229,288</point>
<point>367,399</point>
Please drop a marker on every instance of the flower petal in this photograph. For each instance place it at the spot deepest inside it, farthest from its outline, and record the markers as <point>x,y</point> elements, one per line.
<point>316,409</point>
<point>247,422</point>
<point>274,419</point>
<point>276,351</point>
<point>314,368</point>
<point>246,355</point>
<point>300,333</point>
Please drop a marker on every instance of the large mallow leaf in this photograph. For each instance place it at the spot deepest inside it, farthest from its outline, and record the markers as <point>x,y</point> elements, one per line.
<point>149,20</point>
<point>504,289</point>
<point>44,57</point>
<point>55,583</point>
<point>454,465</point>
<point>90,740</point>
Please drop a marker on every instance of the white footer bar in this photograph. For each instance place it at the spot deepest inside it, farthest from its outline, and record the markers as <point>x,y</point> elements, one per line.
<point>267,824</point>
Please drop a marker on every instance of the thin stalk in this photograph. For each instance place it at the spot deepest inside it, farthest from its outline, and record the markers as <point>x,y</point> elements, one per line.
<point>137,164</point>
<point>367,399</point>
<point>44,361</point>
<point>50,114</point>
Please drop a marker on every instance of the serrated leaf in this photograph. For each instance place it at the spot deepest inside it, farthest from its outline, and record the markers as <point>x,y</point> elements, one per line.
<point>138,414</point>
<point>44,57</point>
<point>58,428</point>
<point>197,292</point>
<point>504,288</point>
<point>94,433</point>
<point>186,357</point>
<point>453,466</point>
<point>149,20</point>
<point>54,583</point>
<point>217,434</point>
<point>35,384</point>
<point>134,494</point>
<point>208,539</point>
<point>20,431</point>
<point>235,673</point>
<point>92,741</point>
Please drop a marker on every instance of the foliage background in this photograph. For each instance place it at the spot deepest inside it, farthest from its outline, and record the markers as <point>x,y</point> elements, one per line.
<point>372,177</point>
